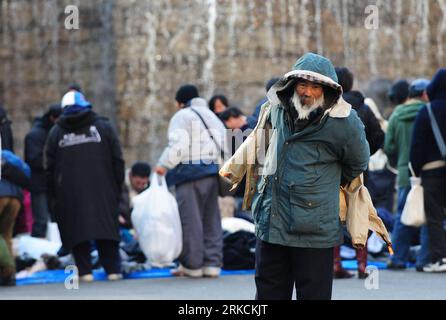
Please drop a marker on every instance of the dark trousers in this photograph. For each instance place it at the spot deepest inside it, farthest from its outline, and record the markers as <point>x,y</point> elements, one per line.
<point>280,268</point>
<point>41,214</point>
<point>109,257</point>
<point>434,184</point>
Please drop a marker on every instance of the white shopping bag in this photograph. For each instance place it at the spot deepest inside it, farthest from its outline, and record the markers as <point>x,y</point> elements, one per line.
<point>413,213</point>
<point>35,247</point>
<point>156,220</point>
<point>52,233</point>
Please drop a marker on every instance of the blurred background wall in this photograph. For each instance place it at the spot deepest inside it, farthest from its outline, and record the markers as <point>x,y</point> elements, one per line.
<point>130,56</point>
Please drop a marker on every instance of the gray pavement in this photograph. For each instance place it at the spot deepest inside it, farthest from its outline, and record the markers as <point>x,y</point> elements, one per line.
<point>387,285</point>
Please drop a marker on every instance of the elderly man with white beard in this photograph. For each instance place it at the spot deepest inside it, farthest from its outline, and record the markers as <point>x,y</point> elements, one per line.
<point>318,144</point>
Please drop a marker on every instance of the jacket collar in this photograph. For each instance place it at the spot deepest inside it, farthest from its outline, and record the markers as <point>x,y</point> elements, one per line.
<point>341,109</point>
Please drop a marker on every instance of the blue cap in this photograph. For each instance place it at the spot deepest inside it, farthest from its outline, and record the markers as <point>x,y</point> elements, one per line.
<point>418,86</point>
<point>74,98</point>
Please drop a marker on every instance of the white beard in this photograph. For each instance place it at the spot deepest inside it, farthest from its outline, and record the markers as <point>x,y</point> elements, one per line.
<point>304,111</point>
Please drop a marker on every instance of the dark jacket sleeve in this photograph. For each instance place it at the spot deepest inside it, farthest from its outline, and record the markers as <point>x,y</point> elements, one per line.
<point>124,206</point>
<point>418,144</point>
<point>355,153</point>
<point>117,159</point>
<point>34,145</point>
<point>49,160</point>
<point>374,133</point>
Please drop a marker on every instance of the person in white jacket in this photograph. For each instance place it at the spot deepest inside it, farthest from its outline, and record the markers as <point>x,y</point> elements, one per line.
<point>190,160</point>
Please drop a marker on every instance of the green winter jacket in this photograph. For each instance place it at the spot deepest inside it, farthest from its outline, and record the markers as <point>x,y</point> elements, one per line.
<point>297,204</point>
<point>399,137</point>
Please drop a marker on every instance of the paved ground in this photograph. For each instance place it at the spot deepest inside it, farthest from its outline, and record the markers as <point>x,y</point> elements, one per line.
<point>391,285</point>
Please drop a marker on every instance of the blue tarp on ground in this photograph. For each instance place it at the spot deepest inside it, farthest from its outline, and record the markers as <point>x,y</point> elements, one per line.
<point>59,276</point>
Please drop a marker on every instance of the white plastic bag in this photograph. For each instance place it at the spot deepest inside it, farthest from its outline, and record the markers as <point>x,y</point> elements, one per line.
<point>35,247</point>
<point>156,220</point>
<point>413,213</point>
<point>52,233</point>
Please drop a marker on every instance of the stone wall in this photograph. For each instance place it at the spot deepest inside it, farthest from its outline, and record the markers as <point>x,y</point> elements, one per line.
<point>130,56</point>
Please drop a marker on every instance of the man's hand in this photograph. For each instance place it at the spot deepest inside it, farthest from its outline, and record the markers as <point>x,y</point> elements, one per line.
<point>227,175</point>
<point>160,170</point>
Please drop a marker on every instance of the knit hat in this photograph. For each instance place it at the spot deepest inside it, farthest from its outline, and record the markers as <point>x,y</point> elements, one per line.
<point>399,92</point>
<point>186,93</point>
<point>74,98</point>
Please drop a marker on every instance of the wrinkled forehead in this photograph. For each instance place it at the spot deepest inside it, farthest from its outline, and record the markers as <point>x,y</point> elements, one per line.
<point>307,82</point>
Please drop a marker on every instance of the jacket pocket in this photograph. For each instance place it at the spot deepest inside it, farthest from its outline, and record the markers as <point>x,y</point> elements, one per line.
<point>306,212</point>
<point>258,202</point>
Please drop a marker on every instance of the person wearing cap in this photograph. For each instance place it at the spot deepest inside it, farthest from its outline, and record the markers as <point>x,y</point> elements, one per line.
<point>192,157</point>
<point>429,163</point>
<point>397,146</point>
<point>85,174</point>
<point>34,145</point>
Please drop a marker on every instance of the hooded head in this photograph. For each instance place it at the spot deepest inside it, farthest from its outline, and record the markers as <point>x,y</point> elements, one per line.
<point>50,117</point>
<point>437,87</point>
<point>310,68</point>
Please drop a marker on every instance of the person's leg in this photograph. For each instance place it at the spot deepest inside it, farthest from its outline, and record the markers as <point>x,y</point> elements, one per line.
<point>424,256</point>
<point>274,272</point>
<point>212,231</point>
<point>82,258</point>
<point>401,235</point>
<point>109,257</point>
<point>41,214</point>
<point>434,187</point>
<point>313,273</point>
<point>192,254</point>
<point>9,208</point>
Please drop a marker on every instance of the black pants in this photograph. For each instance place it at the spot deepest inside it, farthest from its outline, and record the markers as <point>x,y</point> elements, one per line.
<point>434,184</point>
<point>109,257</point>
<point>280,268</point>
